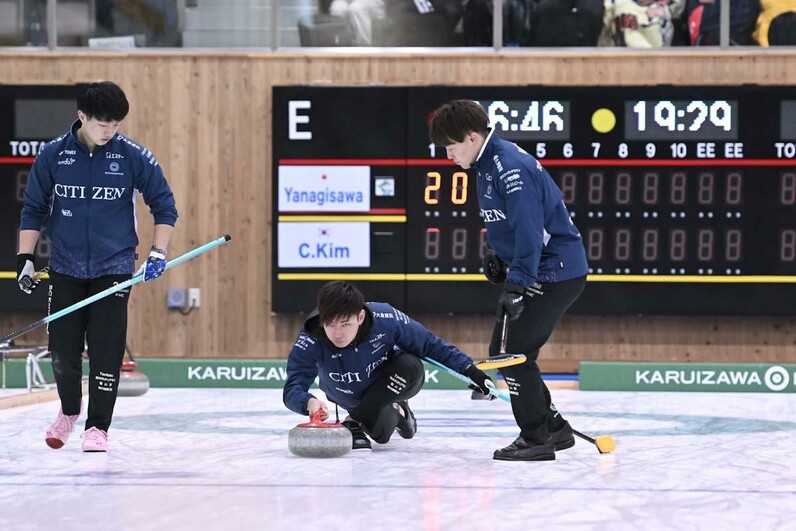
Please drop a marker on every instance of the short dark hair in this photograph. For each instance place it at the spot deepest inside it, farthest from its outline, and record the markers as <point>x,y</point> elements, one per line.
<point>338,299</point>
<point>104,101</point>
<point>453,121</point>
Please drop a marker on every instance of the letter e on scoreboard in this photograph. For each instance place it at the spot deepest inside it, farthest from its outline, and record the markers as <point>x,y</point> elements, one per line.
<point>294,118</point>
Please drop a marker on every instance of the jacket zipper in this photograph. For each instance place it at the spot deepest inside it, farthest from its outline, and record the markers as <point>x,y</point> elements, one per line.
<point>88,214</point>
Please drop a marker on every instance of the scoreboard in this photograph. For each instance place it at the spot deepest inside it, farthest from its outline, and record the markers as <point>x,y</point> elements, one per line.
<point>685,196</point>
<point>32,116</point>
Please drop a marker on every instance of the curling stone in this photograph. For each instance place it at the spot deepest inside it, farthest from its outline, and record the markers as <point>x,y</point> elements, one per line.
<point>319,439</point>
<point>131,381</point>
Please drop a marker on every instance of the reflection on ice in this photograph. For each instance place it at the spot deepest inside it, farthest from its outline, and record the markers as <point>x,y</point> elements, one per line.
<point>206,458</point>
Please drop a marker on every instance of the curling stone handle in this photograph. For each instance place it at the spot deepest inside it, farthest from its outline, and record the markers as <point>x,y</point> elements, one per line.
<point>316,422</point>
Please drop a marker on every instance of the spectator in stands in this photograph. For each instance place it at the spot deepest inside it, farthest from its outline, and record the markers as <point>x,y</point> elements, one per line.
<point>640,23</point>
<point>104,10</point>
<point>704,20</point>
<point>477,22</point>
<point>421,23</point>
<point>776,25</point>
<point>151,22</point>
<point>360,15</point>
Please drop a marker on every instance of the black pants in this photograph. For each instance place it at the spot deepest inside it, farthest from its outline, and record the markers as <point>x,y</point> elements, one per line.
<point>401,379</point>
<point>103,326</point>
<point>530,399</point>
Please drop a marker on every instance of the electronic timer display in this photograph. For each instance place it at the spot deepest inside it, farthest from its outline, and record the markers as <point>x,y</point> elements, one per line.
<point>685,120</point>
<point>528,120</point>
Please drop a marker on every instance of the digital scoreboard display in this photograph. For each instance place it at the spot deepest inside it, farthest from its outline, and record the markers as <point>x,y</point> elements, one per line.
<point>685,196</point>
<point>31,117</point>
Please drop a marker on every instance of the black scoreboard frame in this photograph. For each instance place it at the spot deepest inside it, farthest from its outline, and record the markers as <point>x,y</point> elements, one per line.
<point>684,195</point>
<point>17,153</point>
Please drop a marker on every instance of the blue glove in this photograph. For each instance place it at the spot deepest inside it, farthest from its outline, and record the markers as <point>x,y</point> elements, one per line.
<point>154,266</point>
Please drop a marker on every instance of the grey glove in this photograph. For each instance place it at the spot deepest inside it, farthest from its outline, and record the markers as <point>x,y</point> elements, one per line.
<point>26,273</point>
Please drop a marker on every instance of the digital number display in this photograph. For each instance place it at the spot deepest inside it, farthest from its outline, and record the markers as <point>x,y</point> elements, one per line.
<point>681,119</point>
<point>685,196</point>
<point>455,243</point>
<point>529,120</point>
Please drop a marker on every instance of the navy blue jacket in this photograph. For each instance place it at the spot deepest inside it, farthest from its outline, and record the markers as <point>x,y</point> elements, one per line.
<point>345,373</point>
<point>87,201</point>
<point>527,223</point>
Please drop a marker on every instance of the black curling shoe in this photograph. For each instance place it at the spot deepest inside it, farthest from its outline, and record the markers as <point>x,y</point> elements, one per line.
<point>407,426</point>
<point>526,450</point>
<point>361,440</point>
<point>563,438</point>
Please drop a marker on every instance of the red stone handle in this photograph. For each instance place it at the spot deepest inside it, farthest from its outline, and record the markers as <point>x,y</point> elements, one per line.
<point>316,422</point>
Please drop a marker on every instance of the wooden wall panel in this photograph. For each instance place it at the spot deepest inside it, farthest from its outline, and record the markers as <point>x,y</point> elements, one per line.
<point>207,118</point>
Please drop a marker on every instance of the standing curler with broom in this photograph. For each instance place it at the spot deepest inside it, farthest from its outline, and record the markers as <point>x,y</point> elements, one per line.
<point>536,252</point>
<point>83,185</point>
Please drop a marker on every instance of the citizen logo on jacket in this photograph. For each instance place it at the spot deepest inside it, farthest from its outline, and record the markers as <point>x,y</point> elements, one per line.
<point>345,373</point>
<point>527,223</point>
<point>87,201</point>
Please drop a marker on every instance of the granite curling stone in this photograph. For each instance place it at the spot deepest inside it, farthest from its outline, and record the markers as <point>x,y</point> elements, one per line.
<point>131,381</point>
<point>319,439</point>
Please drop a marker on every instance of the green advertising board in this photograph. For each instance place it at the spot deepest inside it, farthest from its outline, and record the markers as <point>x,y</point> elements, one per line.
<point>266,374</point>
<point>702,377</point>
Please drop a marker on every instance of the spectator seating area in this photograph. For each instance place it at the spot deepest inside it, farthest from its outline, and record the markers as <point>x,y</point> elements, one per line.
<point>401,23</point>
<point>568,23</point>
<point>24,22</point>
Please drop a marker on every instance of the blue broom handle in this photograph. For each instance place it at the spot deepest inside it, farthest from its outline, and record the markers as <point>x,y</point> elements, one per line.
<point>136,279</point>
<point>113,289</point>
<point>497,393</point>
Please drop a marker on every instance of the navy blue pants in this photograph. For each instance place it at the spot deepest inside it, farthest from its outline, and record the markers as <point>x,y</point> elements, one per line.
<point>530,399</point>
<point>102,326</point>
<point>401,379</point>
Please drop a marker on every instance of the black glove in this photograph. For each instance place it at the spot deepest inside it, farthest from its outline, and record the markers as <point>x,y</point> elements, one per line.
<point>26,273</point>
<point>494,267</point>
<point>510,301</point>
<point>481,382</point>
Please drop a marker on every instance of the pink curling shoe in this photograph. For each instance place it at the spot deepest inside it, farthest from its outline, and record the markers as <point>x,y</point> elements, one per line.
<point>60,430</point>
<point>95,440</point>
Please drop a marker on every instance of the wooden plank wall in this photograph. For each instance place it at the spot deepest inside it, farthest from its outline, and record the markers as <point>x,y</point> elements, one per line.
<point>207,117</point>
